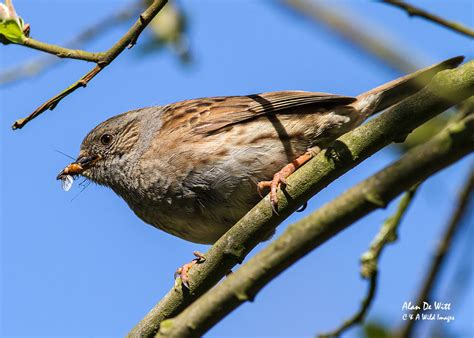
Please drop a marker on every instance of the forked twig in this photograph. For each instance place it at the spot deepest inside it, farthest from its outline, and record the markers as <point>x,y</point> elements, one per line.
<point>104,59</point>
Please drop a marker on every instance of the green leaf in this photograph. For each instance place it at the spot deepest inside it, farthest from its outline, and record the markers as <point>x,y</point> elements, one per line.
<point>12,31</point>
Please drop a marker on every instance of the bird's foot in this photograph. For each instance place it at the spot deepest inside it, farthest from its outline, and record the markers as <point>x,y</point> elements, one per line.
<point>280,178</point>
<point>182,272</point>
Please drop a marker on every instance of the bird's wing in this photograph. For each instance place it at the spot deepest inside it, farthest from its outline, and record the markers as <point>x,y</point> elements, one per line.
<point>209,115</point>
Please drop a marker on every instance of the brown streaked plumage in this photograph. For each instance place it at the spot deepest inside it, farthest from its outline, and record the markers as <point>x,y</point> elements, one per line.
<point>192,168</point>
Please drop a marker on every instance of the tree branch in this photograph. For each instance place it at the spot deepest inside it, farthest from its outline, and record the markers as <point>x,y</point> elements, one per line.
<point>353,148</point>
<point>387,234</point>
<point>61,52</point>
<point>359,316</point>
<point>51,103</point>
<point>415,11</point>
<point>300,238</point>
<point>127,40</point>
<point>466,198</point>
<point>369,262</point>
<point>43,62</point>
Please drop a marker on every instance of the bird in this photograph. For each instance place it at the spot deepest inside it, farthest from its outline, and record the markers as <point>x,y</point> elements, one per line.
<point>193,168</point>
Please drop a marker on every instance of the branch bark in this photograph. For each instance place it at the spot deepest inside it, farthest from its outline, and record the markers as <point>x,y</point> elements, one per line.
<point>369,263</point>
<point>446,89</point>
<point>300,238</point>
<point>104,59</point>
<point>415,11</point>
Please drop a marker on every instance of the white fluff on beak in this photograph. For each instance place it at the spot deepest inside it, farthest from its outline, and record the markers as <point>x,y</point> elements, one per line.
<point>66,182</point>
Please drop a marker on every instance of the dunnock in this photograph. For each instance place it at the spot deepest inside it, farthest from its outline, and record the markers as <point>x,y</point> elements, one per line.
<point>192,168</point>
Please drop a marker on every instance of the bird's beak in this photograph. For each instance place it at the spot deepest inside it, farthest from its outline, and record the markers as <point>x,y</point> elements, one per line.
<point>78,166</point>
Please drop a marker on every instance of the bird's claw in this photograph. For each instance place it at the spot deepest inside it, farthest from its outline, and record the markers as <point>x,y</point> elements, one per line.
<point>182,272</point>
<point>278,179</point>
<point>303,207</point>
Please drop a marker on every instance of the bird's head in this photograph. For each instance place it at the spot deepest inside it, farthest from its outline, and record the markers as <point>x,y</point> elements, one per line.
<point>106,151</point>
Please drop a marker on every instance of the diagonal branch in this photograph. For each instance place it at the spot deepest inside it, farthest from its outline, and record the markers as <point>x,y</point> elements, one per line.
<point>370,259</point>
<point>43,62</point>
<point>415,11</point>
<point>51,103</point>
<point>353,147</point>
<point>359,316</point>
<point>466,198</point>
<point>453,143</point>
<point>127,40</point>
<point>387,234</point>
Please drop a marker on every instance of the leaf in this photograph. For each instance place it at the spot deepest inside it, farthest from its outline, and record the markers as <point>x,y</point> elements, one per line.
<point>11,30</point>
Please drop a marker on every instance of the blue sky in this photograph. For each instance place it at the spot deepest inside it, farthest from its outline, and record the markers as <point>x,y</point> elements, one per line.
<point>89,267</point>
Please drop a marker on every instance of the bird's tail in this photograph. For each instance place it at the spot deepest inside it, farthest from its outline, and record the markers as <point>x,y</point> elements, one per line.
<point>395,91</point>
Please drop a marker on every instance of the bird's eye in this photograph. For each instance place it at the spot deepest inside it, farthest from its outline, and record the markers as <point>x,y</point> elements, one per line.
<point>106,139</point>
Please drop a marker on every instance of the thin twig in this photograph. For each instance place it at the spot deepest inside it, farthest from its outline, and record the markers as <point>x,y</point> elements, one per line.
<point>359,316</point>
<point>387,234</point>
<point>62,52</point>
<point>300,238</point>
<point>127,40</point>
<point>415,11</point>
<point>37,65</point>
<point>369,262</point>
<point>355,147</point>
<point>466,198</point>
<point>52,103</point>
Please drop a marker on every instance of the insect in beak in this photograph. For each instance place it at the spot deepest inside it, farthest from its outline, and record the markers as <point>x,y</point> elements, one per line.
<point>74,169</point>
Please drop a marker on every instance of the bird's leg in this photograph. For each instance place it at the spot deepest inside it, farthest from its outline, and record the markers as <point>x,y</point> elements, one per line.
<point>281,176</point>
<point>182,272</point>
